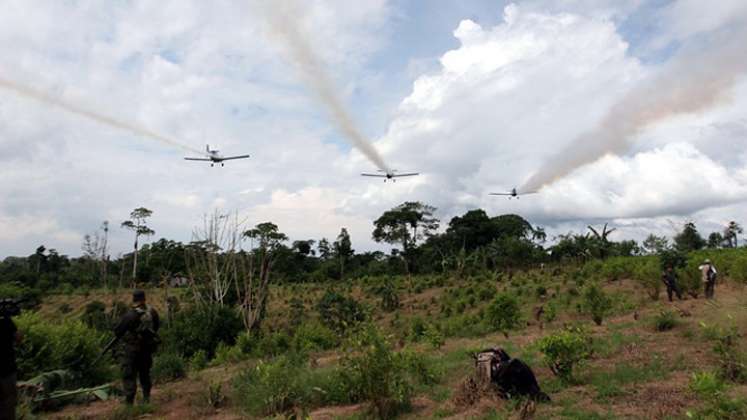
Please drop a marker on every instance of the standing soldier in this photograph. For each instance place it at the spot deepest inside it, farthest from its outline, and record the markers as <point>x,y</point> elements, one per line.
<point>9,337</point>
<point>138,330</point>
<point>670,280</point>
<point>708,272</point>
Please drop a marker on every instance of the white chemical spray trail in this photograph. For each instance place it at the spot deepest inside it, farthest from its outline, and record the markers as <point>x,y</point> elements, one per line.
<point>286,26</point>
<point>693,81</point>
<point>32,93</point>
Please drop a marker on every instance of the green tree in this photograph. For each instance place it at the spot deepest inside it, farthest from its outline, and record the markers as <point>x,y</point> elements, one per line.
<point>730,234</point>
<point>324,248</point>
<point>137,224</point>
<point>715,240</point>
<point>689,239</point>
<point>343,250</point>
<point>655,244</point>
<point>406,224</point>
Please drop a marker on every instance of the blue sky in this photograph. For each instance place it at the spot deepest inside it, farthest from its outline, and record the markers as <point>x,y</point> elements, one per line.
<point>477,95</point>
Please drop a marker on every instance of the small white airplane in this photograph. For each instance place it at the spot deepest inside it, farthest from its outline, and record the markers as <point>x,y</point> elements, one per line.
<point>390,175</point>
<point>214,157</point>
<point>513,193</point>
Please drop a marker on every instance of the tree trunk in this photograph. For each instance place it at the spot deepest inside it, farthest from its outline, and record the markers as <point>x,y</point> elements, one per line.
<point>134,262</point>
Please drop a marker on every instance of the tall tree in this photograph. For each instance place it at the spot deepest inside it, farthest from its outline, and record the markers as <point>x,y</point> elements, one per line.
<point>137,224</point>
<point>343,250</point>
<point>730,233</point>
<point>655,244</point>
<point>254,278</point>
<point>406,224</point>
<point>715,240</point>
<point>324,249</point>
<point>689,239</point>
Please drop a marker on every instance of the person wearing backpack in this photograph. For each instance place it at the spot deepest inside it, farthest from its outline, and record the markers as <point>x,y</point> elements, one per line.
<point>708,272</point>
<point>137,330</point>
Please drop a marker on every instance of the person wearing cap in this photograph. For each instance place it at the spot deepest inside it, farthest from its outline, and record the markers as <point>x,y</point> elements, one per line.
<point>708,274</point>
<point>138,332</point>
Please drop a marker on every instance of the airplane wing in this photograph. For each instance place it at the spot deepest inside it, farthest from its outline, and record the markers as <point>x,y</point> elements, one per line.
<point>235,157</point>
<point>200,159</point>
<point>401,175</point>
<point>527,193</point>
<point>374,175</point>
<point>500,194</point>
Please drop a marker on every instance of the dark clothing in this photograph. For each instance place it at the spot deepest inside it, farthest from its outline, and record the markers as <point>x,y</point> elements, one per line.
<point>7,346</point>
<point>516,378</point>
<point>512,376</point>
<point>8,397</point>
<point>138,345</point>
<point>710,287</point>
<point>670,280</point>
<point>136,366</point>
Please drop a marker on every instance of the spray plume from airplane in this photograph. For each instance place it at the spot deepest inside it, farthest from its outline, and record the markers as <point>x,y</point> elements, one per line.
<point>29,92</point>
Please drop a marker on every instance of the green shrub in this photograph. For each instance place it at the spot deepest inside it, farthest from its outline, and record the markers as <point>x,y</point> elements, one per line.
<point>168,367</point>
<point>565,350</point>
<point>648,275</point>
<point>198,361</point>
<point>94,316</point>
<point>503,313</point>
<point>434,337</point>
<point>311,336</point>
<point>339,312</point>
<point>665,321</point>
<point>226,354</point>
<point>272,344</point>
<point>706,385</point>
<point>69,344</point>
<point>374,373</point>
<point>732,361</point>
<point>201,328</point>
<point>596,303</point>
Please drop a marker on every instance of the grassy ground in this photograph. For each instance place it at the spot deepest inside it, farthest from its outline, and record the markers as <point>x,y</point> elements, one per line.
<point>636,371</point>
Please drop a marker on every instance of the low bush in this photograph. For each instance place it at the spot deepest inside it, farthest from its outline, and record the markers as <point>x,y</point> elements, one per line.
<point>168,367</point>
<point>313,336</point>
<point>339,312</point>
<point>201,328</point>
<point>94,316</point>
<point>665,321</point>
<point>503,313</point>
<point>648,274</point>
<point>69,344</point>
<point>565,350</point>
<point>596,303</point>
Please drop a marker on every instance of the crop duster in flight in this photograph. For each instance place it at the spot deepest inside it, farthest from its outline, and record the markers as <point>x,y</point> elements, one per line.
<point>513,193</point>
<point>390,174</point>
<point>213,156</point>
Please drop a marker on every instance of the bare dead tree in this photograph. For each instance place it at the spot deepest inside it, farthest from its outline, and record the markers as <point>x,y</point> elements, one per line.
<point>212,257</point>
<point>96,249</point>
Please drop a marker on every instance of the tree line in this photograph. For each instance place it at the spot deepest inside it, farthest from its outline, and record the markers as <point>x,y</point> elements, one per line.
<point>471,242</point>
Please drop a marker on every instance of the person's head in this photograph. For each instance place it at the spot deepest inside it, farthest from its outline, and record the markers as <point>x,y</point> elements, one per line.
<point>707,261</point>
<point>138,297</point>
<point>669,267</point>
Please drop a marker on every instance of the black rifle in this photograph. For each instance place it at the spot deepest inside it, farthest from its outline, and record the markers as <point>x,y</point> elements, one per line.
<point>106,350</point>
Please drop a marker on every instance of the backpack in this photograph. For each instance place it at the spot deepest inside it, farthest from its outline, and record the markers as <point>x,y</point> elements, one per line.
<point>146,330</point>
<point>711,274</point>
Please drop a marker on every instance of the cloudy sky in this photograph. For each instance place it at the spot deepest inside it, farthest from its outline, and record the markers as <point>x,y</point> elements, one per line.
<point>478,95</point>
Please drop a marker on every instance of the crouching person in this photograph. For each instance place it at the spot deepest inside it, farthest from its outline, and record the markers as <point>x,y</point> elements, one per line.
<point>511,376</point>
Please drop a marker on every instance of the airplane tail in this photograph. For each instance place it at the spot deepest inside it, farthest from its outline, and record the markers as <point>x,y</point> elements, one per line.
<point>207,148</point>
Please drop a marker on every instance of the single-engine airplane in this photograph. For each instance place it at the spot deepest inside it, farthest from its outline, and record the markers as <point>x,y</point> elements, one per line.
<point>513,193</point>
<point>214,157</point>
<point>390,175</point>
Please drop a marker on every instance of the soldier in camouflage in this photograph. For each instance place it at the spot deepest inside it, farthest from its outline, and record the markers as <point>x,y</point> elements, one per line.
<point>138,332</point>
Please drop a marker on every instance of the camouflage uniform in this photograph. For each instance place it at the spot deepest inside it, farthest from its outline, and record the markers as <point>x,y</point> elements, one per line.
<point>137,330</point>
